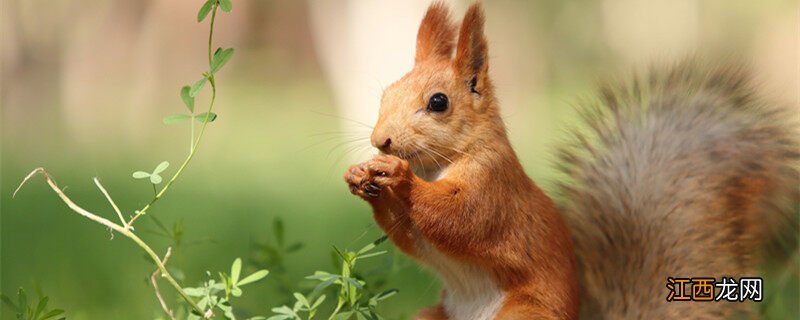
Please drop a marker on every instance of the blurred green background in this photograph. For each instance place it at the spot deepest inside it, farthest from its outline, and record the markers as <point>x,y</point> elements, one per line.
<point>85,85</point>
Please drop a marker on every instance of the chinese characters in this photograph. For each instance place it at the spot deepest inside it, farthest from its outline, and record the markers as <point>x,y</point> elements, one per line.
<point>709,289</point>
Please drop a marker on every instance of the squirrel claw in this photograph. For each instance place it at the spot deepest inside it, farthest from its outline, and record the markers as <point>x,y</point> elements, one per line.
<point>372,190</point>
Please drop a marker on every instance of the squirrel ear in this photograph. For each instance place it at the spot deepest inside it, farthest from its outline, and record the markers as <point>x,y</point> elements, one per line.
<point>436,34</point>
<point>471,62</point>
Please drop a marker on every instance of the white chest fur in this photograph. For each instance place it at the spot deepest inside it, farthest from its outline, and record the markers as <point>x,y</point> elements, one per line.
<point>471,294</point>
<point>430,174</point>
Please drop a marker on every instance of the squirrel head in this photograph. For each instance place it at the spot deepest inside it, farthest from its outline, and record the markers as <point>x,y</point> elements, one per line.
<point>444,105</point>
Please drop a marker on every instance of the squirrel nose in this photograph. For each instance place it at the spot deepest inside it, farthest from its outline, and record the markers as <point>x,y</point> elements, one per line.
<point>383,146</point>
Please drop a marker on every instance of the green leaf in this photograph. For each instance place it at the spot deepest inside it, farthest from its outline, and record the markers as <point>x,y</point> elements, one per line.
<point>236,291</point>
<point>215,285</point>
<point>335,260</point>
<point>8,301</point>
<point>160,226</point>
<point>354,282</point>
<point>294,247</point>
<point>372,315</point>
<point>225,282</point>
<point>176,118</point>
<point>386,294</point>
<point>236,269</point>
<point>197,86</point>
<point>277,228</point>
<point>227,310</point>
<point>366,248</point>
<point>302,299</point>
<point>225,5</point>
<point>195,292</point>
<point>318,302</point>
<point>52,313</point>
<point>187,99</point>
<point>322,286</point>
<point>204,10</point>
<point>368,255</point>
<point>202,117</point>
<point>140,175</point>
<point>283,310</point>
<point>321,275</point>
<point>161,167</point>
<point>372,245</point>
<point>258,275</point>
<point>156,179</point>
<point>40,307</point>
<point>221,57</point>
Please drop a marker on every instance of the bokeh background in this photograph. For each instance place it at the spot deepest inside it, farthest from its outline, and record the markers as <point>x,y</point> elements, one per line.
<point>85,85</point>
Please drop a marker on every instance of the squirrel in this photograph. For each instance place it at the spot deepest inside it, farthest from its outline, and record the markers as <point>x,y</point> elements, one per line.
<point>683,174</point>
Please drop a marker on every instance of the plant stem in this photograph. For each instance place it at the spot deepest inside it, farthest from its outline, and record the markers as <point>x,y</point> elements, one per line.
<point>336,311</point>
<point>154,281</point>
<point>163,270</point>
<point>191,140</point>
<point>211,30</point>
<point>111,201</point>
<point>194,146</point>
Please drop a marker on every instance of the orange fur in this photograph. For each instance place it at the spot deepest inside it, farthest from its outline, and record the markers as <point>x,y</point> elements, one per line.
<point>436,33</point>
<point>451,181</point>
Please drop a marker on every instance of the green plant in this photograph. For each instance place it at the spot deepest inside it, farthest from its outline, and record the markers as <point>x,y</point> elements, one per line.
<point>27,310</point>
<point>155,177</point>
<point>351,300</point>
<point>217,295</point>
<point>271,254</point>
<point>205,306</point>
<point>214,296</point>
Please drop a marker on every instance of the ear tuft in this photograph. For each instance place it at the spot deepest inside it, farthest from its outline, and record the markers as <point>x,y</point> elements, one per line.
<point>436,34</point>
<point>471,60</point>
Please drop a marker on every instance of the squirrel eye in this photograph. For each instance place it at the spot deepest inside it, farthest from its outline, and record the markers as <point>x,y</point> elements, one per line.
<point>438,102</point>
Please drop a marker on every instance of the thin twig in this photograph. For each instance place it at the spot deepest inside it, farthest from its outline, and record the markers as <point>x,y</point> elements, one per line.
<point>113,226</point>
<point>69,202</point>
<point>155,285</point>
<point>111,201</point>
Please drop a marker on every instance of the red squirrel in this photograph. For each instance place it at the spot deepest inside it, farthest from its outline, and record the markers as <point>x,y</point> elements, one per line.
<point>449,190</point>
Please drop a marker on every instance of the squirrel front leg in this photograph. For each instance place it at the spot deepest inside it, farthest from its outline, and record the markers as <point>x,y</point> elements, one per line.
<point>383,183</point>
<point>401,202</point>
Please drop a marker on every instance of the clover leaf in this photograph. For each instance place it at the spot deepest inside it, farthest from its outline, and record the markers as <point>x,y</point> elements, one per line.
<point>155,176</point>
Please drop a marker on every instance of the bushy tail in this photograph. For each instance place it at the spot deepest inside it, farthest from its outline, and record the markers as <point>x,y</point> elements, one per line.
<point>682,173</point>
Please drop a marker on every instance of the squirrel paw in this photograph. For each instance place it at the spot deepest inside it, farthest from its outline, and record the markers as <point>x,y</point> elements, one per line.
<point>368,179</point>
